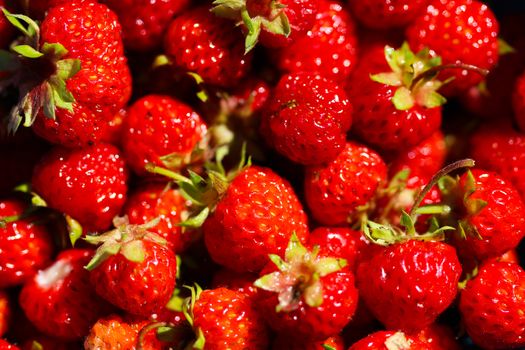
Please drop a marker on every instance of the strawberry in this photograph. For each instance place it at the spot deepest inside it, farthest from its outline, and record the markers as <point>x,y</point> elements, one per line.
<point>5,312</point>
<point>144,22</point>
<point>396,106</point>
<point>89,184</point>
<point>4,345</point>
<point>336,192</point>
<point>133,268</point>
<point>89,85</point>
<point>157,200</point>
<point>26,245</point>
<point>492,305</point>
<point>285,342</point>
<point>518,101</point>
<point>209,46</point>
<point>381,14</point>
<point>329,48</point>
<point>60,301</point>
<point>389,340</point>
<point>163,131</point>
<point>459,31</point>
<point>241,282</point>
<point>225,319</point>
<point>408,285</point>
<point>115,128</point>
<point>307,118</point>
<point>307,294</point>
<point>487,211</point>
<point>439,337</point>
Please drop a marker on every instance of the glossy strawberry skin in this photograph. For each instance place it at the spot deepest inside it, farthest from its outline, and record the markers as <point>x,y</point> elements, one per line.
<point>380,14</point>
<point>518,101</point>
<point>89,184</point>
<point>4,345</point>
<point>408,285</point>
<point>463,31</point>
<point>158,200</point>
<point>25,245</point>
<point>158,126</point>
<point>329,48</point>
<point>500,224</point>
<point>285,342</point>
<point>340,242</point>
<point>101,87</point>
<point>256,216</point>
<point>335,191</point>
<point>68,306</point>
<point>307,118</point>
<point>376,120</point>
<point>492,306</point>
<point>197,41</point>
<point>376,341</point>
<point>140,288</point>
<point>439,337</point>
<point>144,22</point>
<point>229,321</point>
<point>5,312</point>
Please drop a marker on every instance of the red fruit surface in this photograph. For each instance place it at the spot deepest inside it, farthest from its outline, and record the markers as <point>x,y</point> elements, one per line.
<point>91,33</point>
<point>228,320</point>
<point>329,48</point>
<point>197,41</point>
<point>5,312</point>
<point>408,285</point>
<point>335,191</point>
<point>518,101</point>
<point>60,301</point>
<point>459,31</point>
<point>286,342</point>
<point>241,282</point>
<point>307,118</point>
<point>26,245</point>
<point>492,306</point>
<point>340,242</point>
<point>256,216</point>
<point>89,184</point>
<point>439,337</point>
<point>4,345</point>
<point>380,340</point>
<point>381,14</point>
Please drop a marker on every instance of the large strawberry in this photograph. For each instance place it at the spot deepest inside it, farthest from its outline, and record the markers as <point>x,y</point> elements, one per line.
<point>72,73</point>
<point>337,192</point>
<point>201,43</point>
<point>381,14</point>
<point>60,300</point>
<point>459,31</point>
<point>307,118</point>
<point>26,245</point>
<point>389,340</point>
<point>492,306</point>
<point>162,131</point>
<point>395,98</point>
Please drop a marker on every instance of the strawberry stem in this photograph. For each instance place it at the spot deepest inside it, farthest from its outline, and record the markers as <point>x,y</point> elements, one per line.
<point>435,70</point>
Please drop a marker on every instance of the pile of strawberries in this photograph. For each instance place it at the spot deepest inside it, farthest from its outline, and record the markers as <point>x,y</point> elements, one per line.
<point>261,174</point>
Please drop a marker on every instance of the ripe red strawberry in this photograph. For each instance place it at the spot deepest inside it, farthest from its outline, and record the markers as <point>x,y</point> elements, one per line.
<point>389,340</point>
<point>408,285</point>
<point>60,301</point>
<point>4,345</point>
<point>241,282</point>
<point>518,101</point>
<point>88,184</point>
<point>5,312</point>
<point>201,43</point>
<point>307,118</point>
<point>162,131</point>
<point>395,106</point>
<point>489,212</point>
<point>492,306</point>
<point>336,192</point>
<point>459,31</point>
<point>306,293</point>
<point>286,342</point>
<point>158,200</point>
<point>145,22</point>
<point>133,269</point>
<point>115,129</point>
<point>226,319</point>
<point>439,337</point>
<point>381,14</point>
<point>329,48</point>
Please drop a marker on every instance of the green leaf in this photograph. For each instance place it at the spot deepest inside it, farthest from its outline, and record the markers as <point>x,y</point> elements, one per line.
<point>62,96</point>
<point>408,223</point>
<point>74,229</point>
<point>295,249</point>
<point>328,347</point>
<point>470,185</point>
<point>313,294</point>
<point>36,346</point>
<point>56,50</point>
<point>403,99</point>
<point>278,261</point>
<point>433,99</point>
<point>198,79</point>
<point>197,220</point>
<point>67,68</point>
<point>270,282</point>
<point>49,106</point>
<point>14,20</point>
<point>504,47</point>
<point>433,209</point>
<point>253,25</point>
<point>390,79</point>
<point>103,252</point>
<point>200,341</point>
<point>228,8</point>
<point>27,51</point>
<point>133,251</point>
<point>326,266</point>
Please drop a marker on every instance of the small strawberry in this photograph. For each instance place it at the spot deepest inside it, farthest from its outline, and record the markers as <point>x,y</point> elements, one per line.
<point>201,43</point>
<point>162,131</point>
<point>307,294</point>
<point>329,48</point>
<point>459,31</point>
<point>4,345</point>
<point>381,14</point>
<point>60,301</point>
<point>492,305</point>
<point>518,101</point>
<point>307,118</point>
<point>5,312</point>
<point>133,268</point>
<point>439,337</point>
<point>395,98</point>
<point>389,340</point>
<point>26,245</point>
<point>338,191</point>
<point>285,342</point>
<point>88,184</point>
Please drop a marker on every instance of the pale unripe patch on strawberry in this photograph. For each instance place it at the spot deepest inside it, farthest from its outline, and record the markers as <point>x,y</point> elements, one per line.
<point>54,274</point>
<point>397,341</point>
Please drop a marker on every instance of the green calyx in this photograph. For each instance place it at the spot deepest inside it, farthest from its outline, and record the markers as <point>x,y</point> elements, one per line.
<point>125,239</point>
<point>276,22</point>
<point>411,74</point>
<point>188,307</point>
<point>39,71</point>
<point>298,276</point>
